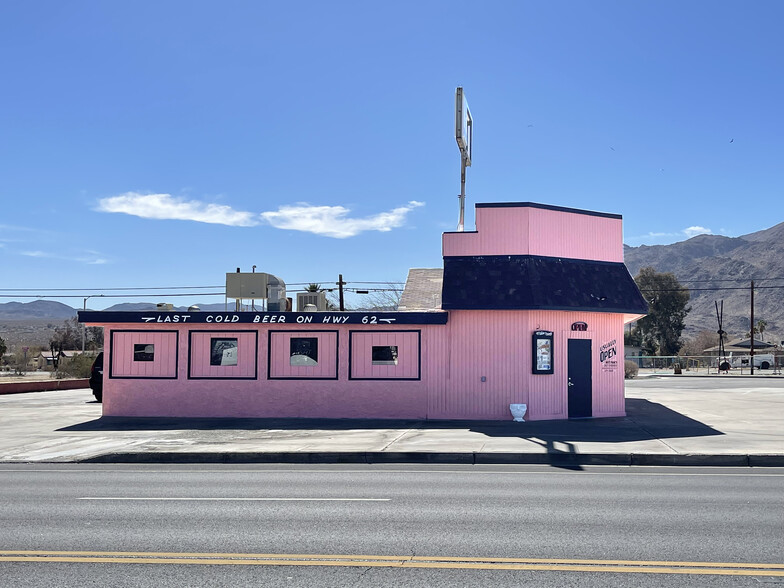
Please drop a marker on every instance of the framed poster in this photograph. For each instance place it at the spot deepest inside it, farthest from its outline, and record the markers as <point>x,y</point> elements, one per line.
<point>542,347</point>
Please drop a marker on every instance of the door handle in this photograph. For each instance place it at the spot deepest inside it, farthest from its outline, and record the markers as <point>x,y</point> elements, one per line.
<point>570,384</point>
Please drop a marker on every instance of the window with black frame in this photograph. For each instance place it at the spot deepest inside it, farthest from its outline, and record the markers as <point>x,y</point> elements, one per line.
<point>143,352</point>
<point>223,351</point>
<point>384,355</point>
<point>303,351</point>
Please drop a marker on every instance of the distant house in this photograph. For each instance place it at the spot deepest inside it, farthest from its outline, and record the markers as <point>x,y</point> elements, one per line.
<point>742,345</point>
<point>44,359</point>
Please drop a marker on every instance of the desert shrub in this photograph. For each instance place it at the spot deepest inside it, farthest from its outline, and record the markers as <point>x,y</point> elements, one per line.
<point>77,366</point>
<point>630,369</point>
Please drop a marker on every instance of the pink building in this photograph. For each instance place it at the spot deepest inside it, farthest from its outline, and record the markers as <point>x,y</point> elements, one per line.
<point>529,309</point>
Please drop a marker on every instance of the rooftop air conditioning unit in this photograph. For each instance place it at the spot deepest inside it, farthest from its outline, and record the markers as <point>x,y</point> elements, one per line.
<point>164,306</point>
<point>317,299</point>
<point>246,285</point>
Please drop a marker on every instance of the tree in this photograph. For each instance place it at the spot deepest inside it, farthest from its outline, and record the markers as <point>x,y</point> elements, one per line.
<point>667,308</point>
<point>69,336</point>
<point>758,329</point>
<point>700,342</point>
<point>762,324</point>
<point>3,347</point>
<point>382,299</point>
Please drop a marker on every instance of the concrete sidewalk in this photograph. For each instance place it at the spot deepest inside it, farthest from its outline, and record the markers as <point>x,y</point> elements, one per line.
<point>688,421</point>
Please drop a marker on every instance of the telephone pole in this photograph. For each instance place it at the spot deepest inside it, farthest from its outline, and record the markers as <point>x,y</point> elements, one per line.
<point>751,353</point>
<point>340,285</point>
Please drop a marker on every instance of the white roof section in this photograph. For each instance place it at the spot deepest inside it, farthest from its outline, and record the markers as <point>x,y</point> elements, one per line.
<point>422,290</point>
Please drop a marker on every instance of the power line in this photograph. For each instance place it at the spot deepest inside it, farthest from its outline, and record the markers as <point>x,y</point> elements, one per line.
<point>729,280</point>
<point>714,289</point>
<point>105,289</point>
<point>134,288</point>
<point>110,295</point>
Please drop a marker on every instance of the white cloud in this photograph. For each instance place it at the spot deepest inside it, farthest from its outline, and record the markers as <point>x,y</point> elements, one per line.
<point>664,237</point>
<point>696,230</point>
<point>166,206</point>
<point>332,221</point>
<point>91,257</point>
<point>329,221</point>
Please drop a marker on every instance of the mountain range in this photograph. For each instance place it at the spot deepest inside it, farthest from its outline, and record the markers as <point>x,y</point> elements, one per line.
<point>49,309</point>
<point>717,268</point>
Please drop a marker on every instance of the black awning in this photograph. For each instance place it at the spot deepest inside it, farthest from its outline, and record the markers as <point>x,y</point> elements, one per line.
<point>529,282</point>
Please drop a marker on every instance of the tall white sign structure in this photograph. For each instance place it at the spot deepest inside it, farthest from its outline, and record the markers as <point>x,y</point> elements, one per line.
<point>464,134</point>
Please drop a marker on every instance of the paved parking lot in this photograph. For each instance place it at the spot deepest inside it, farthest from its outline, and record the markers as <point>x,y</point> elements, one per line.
<point>719,421</point>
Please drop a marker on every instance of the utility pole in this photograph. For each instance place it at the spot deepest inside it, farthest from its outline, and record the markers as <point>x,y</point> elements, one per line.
<point>340,285</point>
<point>751,353</point>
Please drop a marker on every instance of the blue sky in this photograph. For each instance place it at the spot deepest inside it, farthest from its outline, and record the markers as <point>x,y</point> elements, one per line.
<point>153,144</point>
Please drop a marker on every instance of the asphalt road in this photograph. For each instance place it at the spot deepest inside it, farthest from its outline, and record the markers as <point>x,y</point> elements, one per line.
<point>392,525</point>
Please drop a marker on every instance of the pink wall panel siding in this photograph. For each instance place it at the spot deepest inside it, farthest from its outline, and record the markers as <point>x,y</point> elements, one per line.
<point>407,344</point>
<point>575,236</point>
<point>164,364</point>
<point>280,361</point>
<point>500,231</point>
<point>247,355</point>
<point>535,231</point>
<point>495,345</point>
<point>479,344</point>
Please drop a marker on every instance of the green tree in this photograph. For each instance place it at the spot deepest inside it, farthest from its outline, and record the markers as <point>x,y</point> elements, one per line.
<point>667,308</point>
<point>3,347</point>
<point>69,336</point>
<point>758,329</point>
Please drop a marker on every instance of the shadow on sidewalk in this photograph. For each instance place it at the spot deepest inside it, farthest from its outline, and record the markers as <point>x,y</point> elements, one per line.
<point>645,420</point>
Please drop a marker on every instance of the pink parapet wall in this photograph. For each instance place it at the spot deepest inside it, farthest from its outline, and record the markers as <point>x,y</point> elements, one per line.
<point>527,229</point>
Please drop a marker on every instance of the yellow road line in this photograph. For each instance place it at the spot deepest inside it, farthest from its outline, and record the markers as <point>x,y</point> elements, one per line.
<point>473,563</point>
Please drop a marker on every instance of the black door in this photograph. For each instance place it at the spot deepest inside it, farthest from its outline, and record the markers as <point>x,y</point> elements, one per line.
<point>580,378</point>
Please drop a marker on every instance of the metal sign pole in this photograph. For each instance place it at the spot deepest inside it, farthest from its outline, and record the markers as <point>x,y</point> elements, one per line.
<point>464,131</point>
<point>461,220</point>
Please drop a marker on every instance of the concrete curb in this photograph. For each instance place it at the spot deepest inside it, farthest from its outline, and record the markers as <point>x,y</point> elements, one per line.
<point>466,458</point>
<point>42,386</point>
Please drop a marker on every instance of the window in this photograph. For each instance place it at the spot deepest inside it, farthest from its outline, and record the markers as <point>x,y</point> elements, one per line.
<point>143,352</point>
<point>303,351</point>
<point>223,351</point>
<point>147,353</point>
<point>384,355</point>
<point>223,355</point>
<point>302,355</point>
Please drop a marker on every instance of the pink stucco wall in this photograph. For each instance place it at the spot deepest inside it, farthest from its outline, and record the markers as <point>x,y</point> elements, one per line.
<point>536,231</point>
<point>494,345</point>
